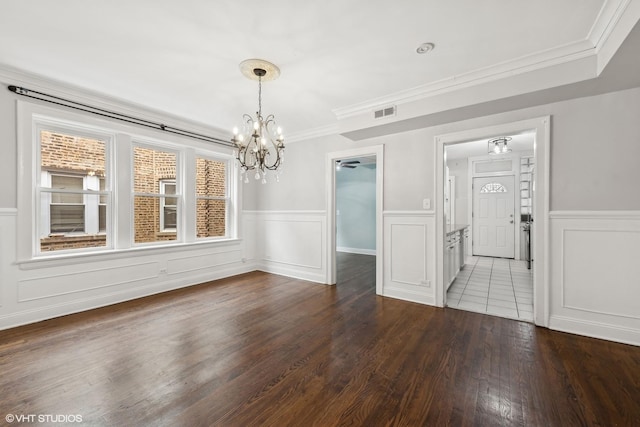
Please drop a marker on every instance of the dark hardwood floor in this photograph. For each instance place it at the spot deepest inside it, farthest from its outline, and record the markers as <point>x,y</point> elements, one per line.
<point>260,349</point>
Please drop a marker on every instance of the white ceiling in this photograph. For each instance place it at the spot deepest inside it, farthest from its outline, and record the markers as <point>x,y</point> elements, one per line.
<point>182,57</point>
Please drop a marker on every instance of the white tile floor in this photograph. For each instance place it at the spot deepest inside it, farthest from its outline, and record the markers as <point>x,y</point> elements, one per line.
<point>496,286</point>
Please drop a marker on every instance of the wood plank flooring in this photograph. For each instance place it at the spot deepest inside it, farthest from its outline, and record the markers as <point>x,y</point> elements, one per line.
<point>260,349</point>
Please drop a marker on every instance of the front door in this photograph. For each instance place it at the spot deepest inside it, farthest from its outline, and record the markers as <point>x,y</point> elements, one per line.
<point>493,216</point>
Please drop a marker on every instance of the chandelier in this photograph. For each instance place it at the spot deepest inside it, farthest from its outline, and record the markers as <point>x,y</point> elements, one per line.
<point>259,144</point>
<point>499,145</point>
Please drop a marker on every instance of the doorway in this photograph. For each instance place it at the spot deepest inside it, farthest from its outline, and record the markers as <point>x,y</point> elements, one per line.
<point>355,188</point>
<point>346,159</point>
<point>493,217</point>
<point>500,269</point>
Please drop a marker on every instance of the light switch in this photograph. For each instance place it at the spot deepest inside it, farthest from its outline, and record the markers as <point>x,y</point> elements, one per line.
<point>426,204</point>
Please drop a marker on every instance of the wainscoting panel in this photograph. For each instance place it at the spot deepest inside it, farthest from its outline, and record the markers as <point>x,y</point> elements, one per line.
<point>40,290</point>
<point>409,256</point>
<point>7,255</point>
<point>595,286</point>
<point>51,285</point>
<point>293,243</point>
<point>209,260</point>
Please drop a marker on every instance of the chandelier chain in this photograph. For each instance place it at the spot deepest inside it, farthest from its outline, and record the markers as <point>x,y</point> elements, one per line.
<point>259,96</point>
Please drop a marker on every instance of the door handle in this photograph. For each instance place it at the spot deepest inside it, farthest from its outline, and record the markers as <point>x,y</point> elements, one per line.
<point>511,221</point>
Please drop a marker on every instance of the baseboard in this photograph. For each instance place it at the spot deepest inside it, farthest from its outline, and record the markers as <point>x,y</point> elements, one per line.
<point>407,295</point>
<point>294,273</point>
<point>356,250</point>
<point>595,330</point>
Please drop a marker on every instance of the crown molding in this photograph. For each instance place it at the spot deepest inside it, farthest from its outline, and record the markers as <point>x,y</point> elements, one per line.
<point>608,18</point>
<point>317,132</point>
<point>539,60</point>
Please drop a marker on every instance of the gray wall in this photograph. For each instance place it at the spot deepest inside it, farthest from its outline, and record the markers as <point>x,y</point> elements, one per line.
<point>356,204</point>
<point>8,145</point>
<point>595,144</point>
<point>587,172</point>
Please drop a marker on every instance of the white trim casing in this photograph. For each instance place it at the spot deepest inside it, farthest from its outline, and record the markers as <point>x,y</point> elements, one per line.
<point>540,230</point>
<point>378,151</point>
<point>31,118</point>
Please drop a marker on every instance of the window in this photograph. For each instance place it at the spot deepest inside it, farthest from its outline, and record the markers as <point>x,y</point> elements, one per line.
<point>71,201</point>
<point>67,209</point>
<point>102,207</point>
<point>154,175</point>
<point>211,197</point>
<point>73,194</point>
<point>168,205</point>
<point>493,187</point>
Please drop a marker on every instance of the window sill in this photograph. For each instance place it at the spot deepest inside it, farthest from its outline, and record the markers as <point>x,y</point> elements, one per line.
<point>98,255</point>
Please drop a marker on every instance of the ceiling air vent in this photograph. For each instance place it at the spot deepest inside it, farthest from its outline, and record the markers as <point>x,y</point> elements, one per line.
<point>385,112</point>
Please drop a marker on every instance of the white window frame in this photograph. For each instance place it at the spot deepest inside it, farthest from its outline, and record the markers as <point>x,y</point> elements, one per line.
<point>228,191</point>
<point>91,195</point>
<point>180,229</point>
<point>163,204</point>
<point>39,181</point>
<point>118,194</point>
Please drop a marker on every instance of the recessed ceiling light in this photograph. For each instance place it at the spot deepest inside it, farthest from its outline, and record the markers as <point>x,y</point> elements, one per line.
<point>425,47</point>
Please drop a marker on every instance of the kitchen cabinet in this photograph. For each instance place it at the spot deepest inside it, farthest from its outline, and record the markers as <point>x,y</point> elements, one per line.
<point>456,240</point>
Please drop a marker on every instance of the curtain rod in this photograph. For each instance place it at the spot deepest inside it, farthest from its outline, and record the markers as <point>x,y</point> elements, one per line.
<point>114,115</point>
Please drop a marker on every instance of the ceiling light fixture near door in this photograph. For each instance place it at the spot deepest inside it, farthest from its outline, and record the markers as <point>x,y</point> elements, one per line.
<point>259,143</point>
<point>499,145</point>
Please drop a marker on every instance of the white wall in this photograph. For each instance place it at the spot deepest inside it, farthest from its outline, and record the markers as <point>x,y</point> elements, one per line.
<point>32,290</point>
<point>587,177</point>
<point>584,177</point>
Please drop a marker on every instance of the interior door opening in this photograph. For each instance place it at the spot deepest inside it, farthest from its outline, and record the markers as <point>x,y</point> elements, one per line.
<point>366,161</point>
<point>355,213</point>
<point>484,263</point>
